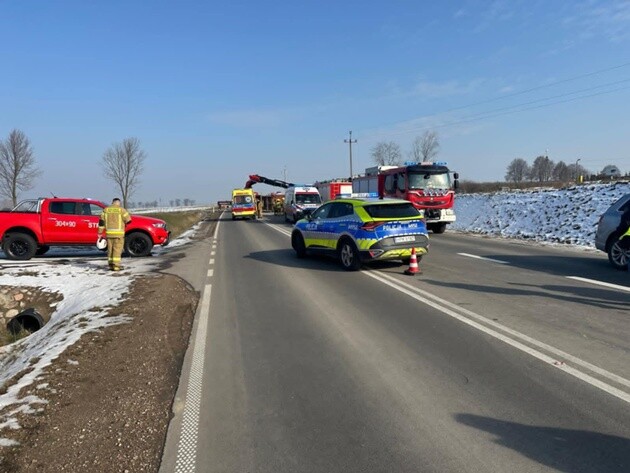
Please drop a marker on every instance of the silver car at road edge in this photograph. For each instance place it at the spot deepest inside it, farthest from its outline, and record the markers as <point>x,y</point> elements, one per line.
<point>607,235</point>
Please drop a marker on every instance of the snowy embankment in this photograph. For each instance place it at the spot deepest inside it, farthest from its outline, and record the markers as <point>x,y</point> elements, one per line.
<point>567,216</point>
<point>88,292</point>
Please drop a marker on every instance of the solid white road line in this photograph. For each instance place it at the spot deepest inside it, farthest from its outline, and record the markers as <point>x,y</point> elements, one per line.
<point>443,306</point>
<point>216,229</point>
<point>279,229</point>
<point>449,308</point>
<point>187,448</point>
<point>483,258</point>
<point>601,283</point>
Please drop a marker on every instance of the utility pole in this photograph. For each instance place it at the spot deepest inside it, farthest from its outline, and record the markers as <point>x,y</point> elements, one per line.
<point>284,173</point>
<point>350,141</point>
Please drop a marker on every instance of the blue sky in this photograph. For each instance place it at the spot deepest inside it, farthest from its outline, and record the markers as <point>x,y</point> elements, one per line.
<point>217,92</point>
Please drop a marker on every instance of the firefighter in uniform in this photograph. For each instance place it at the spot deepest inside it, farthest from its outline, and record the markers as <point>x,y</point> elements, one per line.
<point>112,222</point>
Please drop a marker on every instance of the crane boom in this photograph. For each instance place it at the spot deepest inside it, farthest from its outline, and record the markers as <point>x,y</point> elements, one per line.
<point>255,178</point>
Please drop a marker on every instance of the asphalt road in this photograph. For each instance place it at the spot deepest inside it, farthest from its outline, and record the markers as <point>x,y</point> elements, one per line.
<point>500,357</point>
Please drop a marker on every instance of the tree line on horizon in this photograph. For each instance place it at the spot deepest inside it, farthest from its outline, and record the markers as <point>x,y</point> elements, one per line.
<point>543,169</point>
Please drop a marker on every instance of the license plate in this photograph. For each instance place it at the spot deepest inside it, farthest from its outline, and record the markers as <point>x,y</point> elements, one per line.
<point>404,239</point>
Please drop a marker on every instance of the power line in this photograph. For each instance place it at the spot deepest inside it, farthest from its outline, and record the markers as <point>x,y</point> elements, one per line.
<point>493,114</point>
<point>522,92</point>
<point>551,84</point>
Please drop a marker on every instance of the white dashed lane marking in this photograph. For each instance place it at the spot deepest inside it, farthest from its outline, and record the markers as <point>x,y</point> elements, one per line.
<point>187,446</point>
<point>600,283</point>
<point>483,258</point>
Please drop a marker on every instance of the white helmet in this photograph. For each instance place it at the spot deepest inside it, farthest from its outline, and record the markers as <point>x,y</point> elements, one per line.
<point>101,243</point>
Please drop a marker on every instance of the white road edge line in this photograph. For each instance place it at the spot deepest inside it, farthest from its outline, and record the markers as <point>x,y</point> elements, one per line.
<point>624,396</point>
<point>483,258</point>
<point>600,283</point>
<point>187,448</point>
<point>278,229</point>
<point>396,284</point>
<point>514,333</point>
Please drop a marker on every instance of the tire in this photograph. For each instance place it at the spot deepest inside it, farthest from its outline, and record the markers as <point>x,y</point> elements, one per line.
<point>42,250</point>
<point>438,227</point>
<point>138,244</point>
<point>19,246</point>
<point>297,242</point>
<point>618,257</point>
<point>349,256</point>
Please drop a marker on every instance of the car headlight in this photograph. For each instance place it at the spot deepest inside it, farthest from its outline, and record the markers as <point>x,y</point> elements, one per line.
<point>160,225</point>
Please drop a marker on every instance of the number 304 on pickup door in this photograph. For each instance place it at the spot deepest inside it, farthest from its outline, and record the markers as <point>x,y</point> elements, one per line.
<point>65,223</point>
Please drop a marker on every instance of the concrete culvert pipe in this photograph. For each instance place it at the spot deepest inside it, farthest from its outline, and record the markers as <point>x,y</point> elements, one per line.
<point>29,320</point>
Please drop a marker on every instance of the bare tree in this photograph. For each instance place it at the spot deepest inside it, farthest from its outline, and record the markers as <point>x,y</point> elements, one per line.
<point>17,165</point>
<point>561,172</point>
<point>517,171</point>
<point>542,169</point>
<point>123,163</point>
<point>386,153</point>
<point>425,147</point>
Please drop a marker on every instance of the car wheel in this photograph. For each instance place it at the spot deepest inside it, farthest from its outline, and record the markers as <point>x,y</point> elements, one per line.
<point>618,257</point>
<point>19,246</point>
<point>349,256</point>
<point>438,227</point>
<point>138,244</point>
<point>297,242</point>
<point>42,250</point>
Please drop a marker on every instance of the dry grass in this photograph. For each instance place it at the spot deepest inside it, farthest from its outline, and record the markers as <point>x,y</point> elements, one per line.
<point>7,337</point>
<point>178,222</point>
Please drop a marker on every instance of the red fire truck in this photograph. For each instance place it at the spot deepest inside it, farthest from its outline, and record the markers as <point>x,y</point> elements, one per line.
<point>331,189</point>
<point>429,186</point>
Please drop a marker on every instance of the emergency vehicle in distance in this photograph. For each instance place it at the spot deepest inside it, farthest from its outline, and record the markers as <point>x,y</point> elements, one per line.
<point>300,201</point>
<point>329,190</point>
<point>427,185</point>
<point>243,203</point>
<point>33,226</point>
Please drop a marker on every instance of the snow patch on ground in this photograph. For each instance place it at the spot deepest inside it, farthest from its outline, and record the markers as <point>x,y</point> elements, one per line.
<point>88,291</point>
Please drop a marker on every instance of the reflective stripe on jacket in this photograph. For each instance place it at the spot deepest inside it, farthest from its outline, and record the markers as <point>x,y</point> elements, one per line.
<point>113,220</point>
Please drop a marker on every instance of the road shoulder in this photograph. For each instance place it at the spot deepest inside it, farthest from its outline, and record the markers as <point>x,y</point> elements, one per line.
<point>109,396</point>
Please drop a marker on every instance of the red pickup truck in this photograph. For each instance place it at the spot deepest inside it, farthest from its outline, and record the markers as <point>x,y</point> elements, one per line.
<point>34,226</point>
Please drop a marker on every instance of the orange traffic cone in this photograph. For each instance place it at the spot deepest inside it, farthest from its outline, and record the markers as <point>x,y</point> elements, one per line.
<point>413,264</point>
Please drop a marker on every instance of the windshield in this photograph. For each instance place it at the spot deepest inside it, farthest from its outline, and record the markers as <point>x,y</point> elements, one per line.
<point>392,211</point>
<point>242,199</point>
<point>308,199</point>
<point>429,181</point>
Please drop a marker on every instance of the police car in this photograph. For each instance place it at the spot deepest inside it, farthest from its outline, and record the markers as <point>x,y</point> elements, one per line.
<point>359,229</point>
